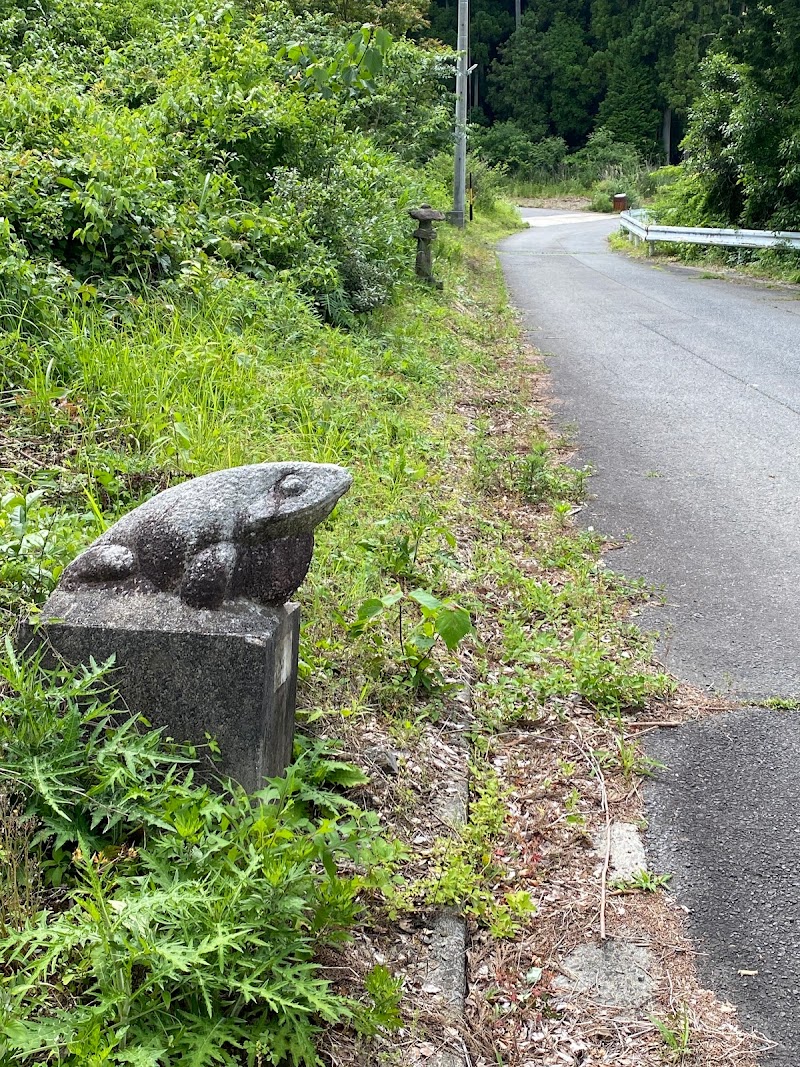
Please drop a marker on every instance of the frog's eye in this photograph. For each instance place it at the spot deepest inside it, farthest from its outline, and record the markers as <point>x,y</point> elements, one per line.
<point>292,486</point>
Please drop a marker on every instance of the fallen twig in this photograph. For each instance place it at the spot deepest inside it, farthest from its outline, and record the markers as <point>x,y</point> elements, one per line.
<point>651,723</point>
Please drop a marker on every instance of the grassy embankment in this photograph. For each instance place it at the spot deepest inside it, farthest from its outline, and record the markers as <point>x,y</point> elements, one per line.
<point>206,262</point>
<point>767,264</point>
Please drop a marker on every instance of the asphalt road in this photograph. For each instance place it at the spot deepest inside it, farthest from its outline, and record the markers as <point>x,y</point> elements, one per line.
<point>722,819</point>
<point>684,391</point>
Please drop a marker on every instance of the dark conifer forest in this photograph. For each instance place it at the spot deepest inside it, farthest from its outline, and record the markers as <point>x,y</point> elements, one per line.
<point>714,84</point>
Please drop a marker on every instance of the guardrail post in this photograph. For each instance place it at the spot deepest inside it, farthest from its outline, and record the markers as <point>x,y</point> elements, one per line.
<point>651,248</point>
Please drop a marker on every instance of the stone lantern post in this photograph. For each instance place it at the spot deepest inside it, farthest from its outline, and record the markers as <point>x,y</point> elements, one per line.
<point>425,235</point>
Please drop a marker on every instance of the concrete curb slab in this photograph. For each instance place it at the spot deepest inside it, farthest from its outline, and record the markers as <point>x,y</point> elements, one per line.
<point>448,946</point>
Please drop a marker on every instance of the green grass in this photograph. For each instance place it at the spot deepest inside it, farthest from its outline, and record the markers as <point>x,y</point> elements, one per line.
<point>110,411</point>
<point>249,373</point>
<point>782,703</point>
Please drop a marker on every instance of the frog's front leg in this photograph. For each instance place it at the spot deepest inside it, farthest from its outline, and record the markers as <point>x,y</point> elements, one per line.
<point>207,577</point>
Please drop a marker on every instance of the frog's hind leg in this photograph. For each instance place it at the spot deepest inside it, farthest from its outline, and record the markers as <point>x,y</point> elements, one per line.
<point>100,563</point>
<point>208,575</point>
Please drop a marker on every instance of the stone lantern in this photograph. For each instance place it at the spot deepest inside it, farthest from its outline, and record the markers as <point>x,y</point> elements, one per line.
<point>425,235</point>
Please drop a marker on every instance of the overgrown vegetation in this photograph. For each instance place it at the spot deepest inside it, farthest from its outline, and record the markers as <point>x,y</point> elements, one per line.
<point>741,145</point>
<point>739,148</point>
<point>370,403</point>
<point>188,147</point>
<point>600,169</point>
<point>178,924</point>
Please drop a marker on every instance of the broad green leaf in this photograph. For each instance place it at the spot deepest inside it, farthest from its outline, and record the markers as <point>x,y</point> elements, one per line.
<point>383,39</point>
<point>372,61</point>
<point>369,609</point>
<point>427,601</point>
<point>452,624</point>
<point>344,774</point>
<point>421,642</point>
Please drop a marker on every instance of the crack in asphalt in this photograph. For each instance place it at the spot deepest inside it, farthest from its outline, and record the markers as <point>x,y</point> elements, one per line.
<point>577,257</point>
<point>721,369</point>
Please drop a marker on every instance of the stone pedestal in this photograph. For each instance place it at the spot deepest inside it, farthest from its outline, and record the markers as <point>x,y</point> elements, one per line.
<point>230,673</point>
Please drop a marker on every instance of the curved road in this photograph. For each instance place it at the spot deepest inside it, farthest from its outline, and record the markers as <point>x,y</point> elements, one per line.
<point>685,394</point>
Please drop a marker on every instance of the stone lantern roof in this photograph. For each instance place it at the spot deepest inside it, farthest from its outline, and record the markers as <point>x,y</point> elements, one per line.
<point>426,213</point>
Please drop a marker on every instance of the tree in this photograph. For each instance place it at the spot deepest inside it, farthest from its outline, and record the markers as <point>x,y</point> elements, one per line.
<point>630,108</point>
<point>544,79</point>
<point>491,24</point>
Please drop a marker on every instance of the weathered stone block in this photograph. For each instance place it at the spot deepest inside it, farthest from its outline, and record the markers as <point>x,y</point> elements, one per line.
<point>230,672</point>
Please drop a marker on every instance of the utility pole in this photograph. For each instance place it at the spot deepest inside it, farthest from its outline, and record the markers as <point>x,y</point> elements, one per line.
<point>456,216</point>
<point>666,135</point>
<point>518,12</point>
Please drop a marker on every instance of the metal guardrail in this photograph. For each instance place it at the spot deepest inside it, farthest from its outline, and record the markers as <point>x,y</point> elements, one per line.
<point>638,225</point>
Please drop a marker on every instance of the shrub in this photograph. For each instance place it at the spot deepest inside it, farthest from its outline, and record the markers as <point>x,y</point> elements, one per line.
<point>36,542</point>
<point>186,922</point>
<point>507,144</point>
<point>603,157</point>
<point>214,140</point>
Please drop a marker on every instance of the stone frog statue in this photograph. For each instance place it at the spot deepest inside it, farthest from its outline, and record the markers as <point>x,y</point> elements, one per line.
<point>243,532</point>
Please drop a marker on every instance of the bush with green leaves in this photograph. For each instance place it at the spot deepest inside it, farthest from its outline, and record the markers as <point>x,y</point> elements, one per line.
<point>602,167</point>
<point>423,624</point>
<point>219,140</point>
<point>178,924</point>
<point>507,144</point>
<point>408,113</point>
<point>603,156</point>
<point>741,151</point>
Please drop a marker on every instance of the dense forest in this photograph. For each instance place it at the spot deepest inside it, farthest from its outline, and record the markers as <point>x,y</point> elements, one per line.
<point>712,83</point>
<point>632,67</point>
